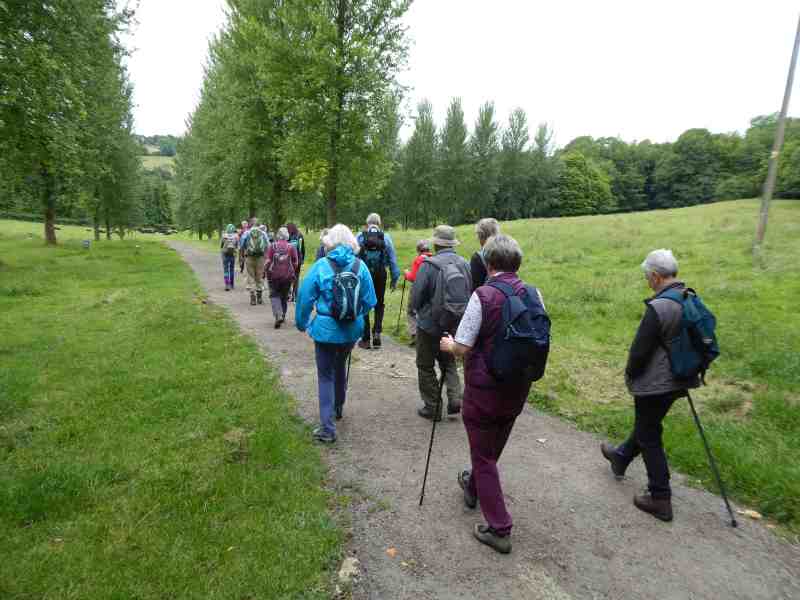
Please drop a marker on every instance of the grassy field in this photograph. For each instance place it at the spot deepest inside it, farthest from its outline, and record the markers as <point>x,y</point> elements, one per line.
<point>153,162</point>
<point>588,270</point>
<point>146,451</point>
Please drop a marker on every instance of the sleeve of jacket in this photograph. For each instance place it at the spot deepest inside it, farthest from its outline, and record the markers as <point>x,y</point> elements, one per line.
<point>477,270</point>
<point>420,294</point>
<point>368,297</point>
<point>306,297</point>
<point>648,338</point>
<point>302,248</point>
<point>392,255</point>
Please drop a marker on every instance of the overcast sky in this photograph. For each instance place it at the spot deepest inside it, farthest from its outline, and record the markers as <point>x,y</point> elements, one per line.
<point>625,68</point>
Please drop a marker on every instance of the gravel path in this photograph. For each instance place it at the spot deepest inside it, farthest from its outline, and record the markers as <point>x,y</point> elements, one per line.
<point>576,533</point>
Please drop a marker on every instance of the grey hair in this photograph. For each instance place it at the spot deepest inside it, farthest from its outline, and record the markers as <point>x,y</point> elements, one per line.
<point>502,253</point>
<point>323,233</point>
<point>486,228</point>
<point>374,219</point>
<point>423,246</point>
<point>340,235</point>
<point>283,234</point>
<point>662,262</point>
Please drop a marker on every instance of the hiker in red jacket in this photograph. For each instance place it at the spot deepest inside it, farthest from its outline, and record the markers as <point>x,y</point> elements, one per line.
<point>423,251</point>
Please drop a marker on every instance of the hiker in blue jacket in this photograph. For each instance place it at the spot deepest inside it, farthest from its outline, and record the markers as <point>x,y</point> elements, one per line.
<point>333,339</point>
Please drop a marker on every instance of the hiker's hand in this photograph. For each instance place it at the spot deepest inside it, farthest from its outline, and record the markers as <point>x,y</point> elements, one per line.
<point>447,343</point>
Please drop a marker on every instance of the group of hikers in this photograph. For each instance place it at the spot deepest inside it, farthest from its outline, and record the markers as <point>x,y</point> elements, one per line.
<point>479,311</point>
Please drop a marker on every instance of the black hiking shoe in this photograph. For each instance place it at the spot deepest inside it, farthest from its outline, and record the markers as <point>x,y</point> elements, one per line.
<point>453,409</point>
<point>487,535</point>
<point>339,413</point>
<point>227,288</point>
<point>259,298</point>
<point>364,344</point>
<point>660,508</point>
<point>610,453</point>
<point>319,436</point>
<point>471,500</point>
<point>428,413</point>
<point>376,341</point>
<point>278,323</point>
<point>252,299</point>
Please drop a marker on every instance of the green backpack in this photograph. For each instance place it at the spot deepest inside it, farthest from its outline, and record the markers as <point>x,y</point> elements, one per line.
<point>256,242</point>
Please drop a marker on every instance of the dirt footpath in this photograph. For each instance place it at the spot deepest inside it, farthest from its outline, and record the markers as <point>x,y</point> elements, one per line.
<point>576,533</point>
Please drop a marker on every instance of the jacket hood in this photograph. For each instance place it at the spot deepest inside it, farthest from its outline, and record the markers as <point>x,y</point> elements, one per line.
<point>342,255</point>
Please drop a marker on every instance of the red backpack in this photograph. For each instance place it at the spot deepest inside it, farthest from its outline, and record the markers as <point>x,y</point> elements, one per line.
<point>280,269</point>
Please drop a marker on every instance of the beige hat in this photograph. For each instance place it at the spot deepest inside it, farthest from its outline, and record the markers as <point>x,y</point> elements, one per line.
<point>444,236</point>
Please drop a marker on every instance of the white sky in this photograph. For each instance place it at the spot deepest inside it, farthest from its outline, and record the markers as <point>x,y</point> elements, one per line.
<point>628,68</point>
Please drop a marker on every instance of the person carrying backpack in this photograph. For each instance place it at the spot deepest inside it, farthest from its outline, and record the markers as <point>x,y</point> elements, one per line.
<point>439,297</point>
<point>297,240</point>
<point>339,287</point>
<point>281,271</point>
<point>253,247</point>
<point>423,252</point>
<point>229,247</point>
<point>650,380</point>
<point>377,251</point>
<point>505,338</point>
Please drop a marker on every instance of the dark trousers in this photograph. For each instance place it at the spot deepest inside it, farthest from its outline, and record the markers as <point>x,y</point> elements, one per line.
<point>332,381</point>
<point>379,281</point>
<point>645,439</point>
<point>279,297</point>
<point>229,268</point>
<point>296,282</point>
<point>486,442</point>
<point>428,354</point>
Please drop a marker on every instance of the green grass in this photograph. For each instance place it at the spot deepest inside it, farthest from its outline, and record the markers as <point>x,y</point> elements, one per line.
<point>588,270</point>
<point>145,448</point>
<point>154,162</point>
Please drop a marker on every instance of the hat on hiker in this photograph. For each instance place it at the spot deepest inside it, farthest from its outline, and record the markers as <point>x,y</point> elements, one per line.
<point>444,236</point>
<point>230,228</point>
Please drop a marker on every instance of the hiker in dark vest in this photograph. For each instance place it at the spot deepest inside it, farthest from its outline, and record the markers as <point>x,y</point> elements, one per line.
<point>377,251</point>
<point>281,272</point>
<point>485,228</point>
<point>322,251</point>
<point>334,334</point>
<point>490,407</point>
<point>297,240</point>
<point>653,386</point>
<point>426,304</point>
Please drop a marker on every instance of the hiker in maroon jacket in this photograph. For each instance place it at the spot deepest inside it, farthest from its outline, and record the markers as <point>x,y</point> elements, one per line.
<point>281,268</point>
<point>489,408</point>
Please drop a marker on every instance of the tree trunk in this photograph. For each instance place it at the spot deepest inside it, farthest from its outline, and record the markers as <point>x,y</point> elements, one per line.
<point>49,209</point>
<point>97,224</point>
<point>278,212</point>
<point>108,226</point>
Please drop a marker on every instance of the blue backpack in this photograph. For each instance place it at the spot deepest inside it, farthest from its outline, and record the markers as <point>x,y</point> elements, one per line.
<point>373,250</point>
<point>346,291</point>
<point>695,347</point>
<point>522,341</point>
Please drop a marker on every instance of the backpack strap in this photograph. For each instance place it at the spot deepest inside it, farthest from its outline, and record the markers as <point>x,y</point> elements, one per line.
<point>507,290</point>
<point>355,268</point>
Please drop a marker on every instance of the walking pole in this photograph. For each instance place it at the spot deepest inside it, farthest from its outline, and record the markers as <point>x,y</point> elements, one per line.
<point>400,314</point>
<point>347,378</point>
<point>711,461</point>
<point>433,432</point>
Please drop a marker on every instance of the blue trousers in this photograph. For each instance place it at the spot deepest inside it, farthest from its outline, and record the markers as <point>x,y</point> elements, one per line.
<point>332,379</point>
<point>229,268</point>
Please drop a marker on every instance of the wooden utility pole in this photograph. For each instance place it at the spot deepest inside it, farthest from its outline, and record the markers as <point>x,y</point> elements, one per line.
<point>772,173</point>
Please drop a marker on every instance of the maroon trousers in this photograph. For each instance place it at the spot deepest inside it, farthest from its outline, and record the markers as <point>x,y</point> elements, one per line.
<point>488,417</point>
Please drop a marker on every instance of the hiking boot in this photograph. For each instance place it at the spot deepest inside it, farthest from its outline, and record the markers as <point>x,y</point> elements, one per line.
<point>487,535</point>
<point>320,436</point>
<point>453,409</point>
<point>278,323</point>
<point>227,288</point>
<point>660,508</point>
<point>252,298</point>
<point>610,452</point>
<point>364,344</point>
<point>471,500</point>
<point>339,413</point>
<point>376,341</point>
<point>427,412</point>
<point>259,298</point>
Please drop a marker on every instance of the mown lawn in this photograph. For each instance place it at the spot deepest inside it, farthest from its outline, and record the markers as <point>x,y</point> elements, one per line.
<point>146,450</point>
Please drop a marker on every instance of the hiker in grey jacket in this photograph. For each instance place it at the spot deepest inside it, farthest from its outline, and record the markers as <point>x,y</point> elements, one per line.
<point>429,331</point>
<point>653,386</point>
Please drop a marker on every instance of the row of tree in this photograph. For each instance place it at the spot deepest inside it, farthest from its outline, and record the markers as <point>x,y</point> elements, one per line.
<point>298,115</point>
<point>66,142</point>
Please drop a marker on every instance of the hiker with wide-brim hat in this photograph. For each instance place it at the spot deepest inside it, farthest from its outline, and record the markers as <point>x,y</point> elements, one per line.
<point>427,301</point>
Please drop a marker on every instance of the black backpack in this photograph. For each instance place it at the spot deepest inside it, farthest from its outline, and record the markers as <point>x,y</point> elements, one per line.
<point>522,341</point>
<point>346,291</point>
<point>374,250</point>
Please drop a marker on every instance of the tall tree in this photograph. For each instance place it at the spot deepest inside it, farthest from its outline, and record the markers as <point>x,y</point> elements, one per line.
<point>455,164</point>
<point>484,147</point>
<point>512,194</point>
<point>421,177</point>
